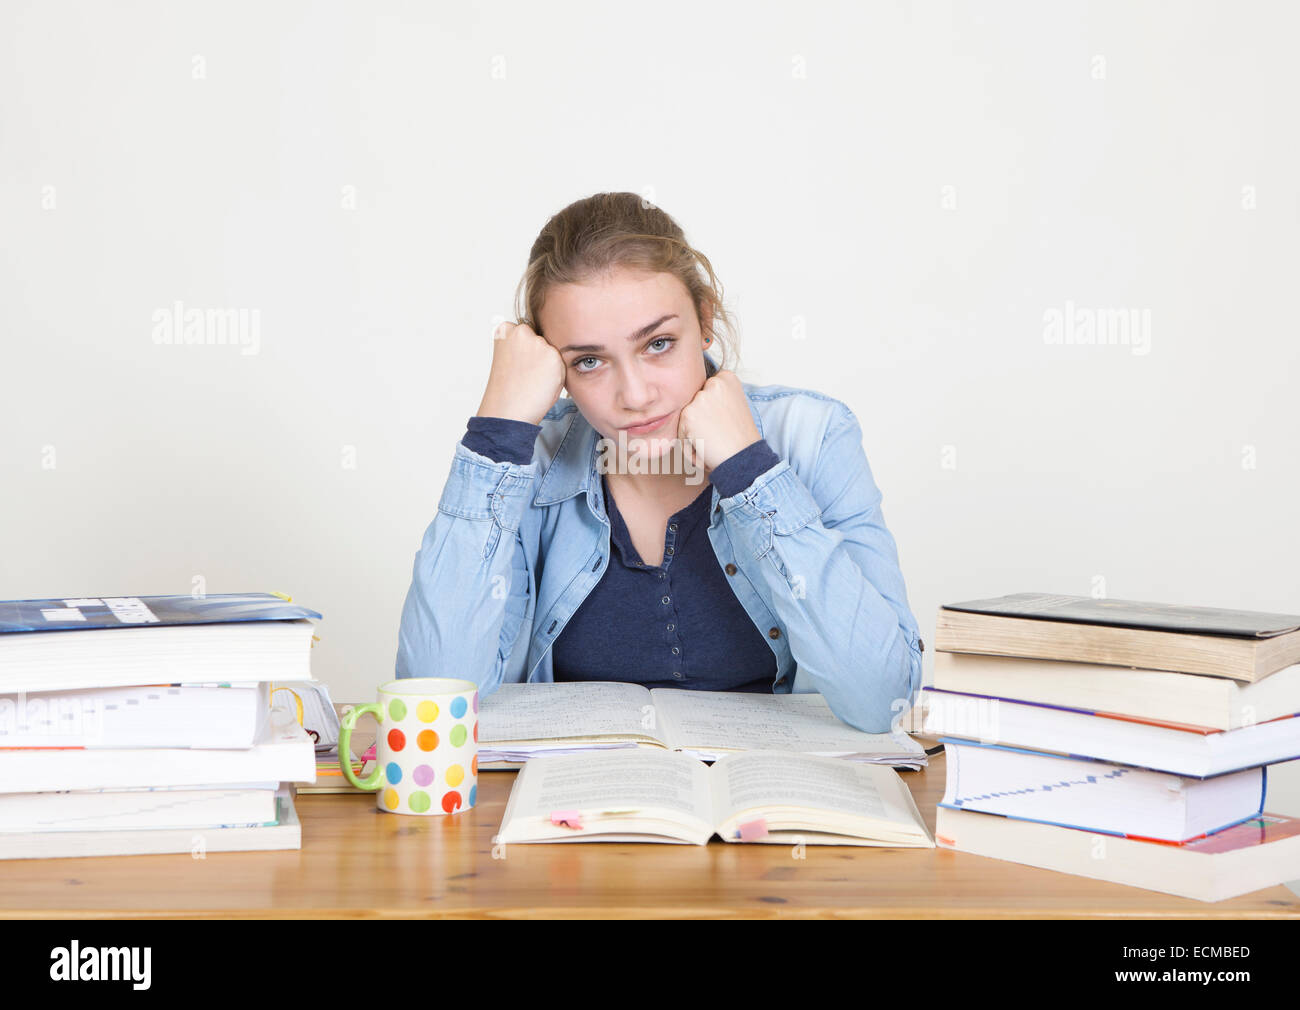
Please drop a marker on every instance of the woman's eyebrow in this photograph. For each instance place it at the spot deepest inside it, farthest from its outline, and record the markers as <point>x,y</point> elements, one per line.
<point>645,331</point>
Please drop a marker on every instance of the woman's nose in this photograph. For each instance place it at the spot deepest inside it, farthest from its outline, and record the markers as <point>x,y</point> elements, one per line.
<point>635,391</point>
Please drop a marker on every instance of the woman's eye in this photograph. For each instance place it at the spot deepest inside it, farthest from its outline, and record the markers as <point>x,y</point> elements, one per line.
<point>666,343</point>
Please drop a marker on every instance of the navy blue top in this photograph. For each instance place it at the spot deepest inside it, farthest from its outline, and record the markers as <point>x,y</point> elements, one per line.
<point>675,625</point>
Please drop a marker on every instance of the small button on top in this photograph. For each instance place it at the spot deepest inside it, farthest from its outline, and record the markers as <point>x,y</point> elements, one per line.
<point>672,527</point>
<point>668,551</point>
<point>773,632</point>
<point>666,600</point>
<point>730,569</point>
<point>676,651</point>
<point>671,626</point>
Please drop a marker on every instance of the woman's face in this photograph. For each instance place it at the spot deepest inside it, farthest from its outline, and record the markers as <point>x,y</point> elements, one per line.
<point>632,351</point>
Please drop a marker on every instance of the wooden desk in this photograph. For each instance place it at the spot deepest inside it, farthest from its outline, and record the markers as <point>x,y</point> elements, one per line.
<point>359,863</point>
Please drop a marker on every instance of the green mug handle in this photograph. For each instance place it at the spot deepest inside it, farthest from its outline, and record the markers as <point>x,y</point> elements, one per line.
<point>345,739</point>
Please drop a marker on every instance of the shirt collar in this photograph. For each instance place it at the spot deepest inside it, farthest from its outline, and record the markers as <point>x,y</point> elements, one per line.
<point>573,468</point>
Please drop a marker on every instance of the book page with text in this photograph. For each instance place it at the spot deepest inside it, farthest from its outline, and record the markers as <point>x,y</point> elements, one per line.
<point>732,721</point>
<point>609,789</point>
<point>566,711</point>
<point>741,782</point>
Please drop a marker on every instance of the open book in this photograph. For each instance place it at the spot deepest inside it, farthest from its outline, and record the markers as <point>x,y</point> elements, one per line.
<point>519,721</point>
<point>757,796</point>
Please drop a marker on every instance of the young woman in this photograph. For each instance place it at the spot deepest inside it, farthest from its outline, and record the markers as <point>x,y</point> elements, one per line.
<point>665,523</point>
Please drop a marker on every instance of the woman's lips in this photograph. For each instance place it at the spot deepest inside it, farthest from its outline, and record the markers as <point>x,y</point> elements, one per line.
<point>645,429</point>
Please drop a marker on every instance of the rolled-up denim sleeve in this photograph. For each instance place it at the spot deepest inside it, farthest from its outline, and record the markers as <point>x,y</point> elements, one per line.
<point>826,564</point>
<point>501,439</point>
<point>737,472</point>
<point>472,582</point>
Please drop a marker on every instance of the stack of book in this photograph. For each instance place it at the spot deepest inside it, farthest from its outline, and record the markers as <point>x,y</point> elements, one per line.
<point>134,725</point>
<point>1118,740</point>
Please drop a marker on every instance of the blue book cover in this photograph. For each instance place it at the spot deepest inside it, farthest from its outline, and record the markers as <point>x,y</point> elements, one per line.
<point>87,613</point>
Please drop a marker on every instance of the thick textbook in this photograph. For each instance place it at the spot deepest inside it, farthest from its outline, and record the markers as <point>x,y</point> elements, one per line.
<point>1097,795</point>
<point>773,797</point>
<point>151,715</point>
<point>1194,751</point>
<point>1242,645</point>
<point>1194,699</point>
<point>89,613</point>
<point>284,832</point>
<point>1134,614</point>
<point>519,721</point>
<point>1261,852</point>
<point>55,645</point>
<point>283,752</point>
<point>142,807</point>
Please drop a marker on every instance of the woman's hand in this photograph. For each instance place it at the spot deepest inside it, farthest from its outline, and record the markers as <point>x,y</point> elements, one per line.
<point>527,375</point>
<point>717,423</point>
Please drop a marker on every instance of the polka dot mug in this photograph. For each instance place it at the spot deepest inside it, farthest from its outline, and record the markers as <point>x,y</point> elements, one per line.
<point>427,746</point>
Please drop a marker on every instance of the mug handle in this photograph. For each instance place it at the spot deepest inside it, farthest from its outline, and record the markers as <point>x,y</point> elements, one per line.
<point>345,739</point>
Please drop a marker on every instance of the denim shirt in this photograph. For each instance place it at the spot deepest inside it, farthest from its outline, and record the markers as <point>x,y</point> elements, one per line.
<point>515,548</point>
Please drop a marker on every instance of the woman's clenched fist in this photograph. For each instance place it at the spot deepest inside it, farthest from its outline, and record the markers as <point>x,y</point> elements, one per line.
<point>527,375</point>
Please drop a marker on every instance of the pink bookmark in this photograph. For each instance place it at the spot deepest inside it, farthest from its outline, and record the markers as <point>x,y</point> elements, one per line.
<point>752,830</point>
<point>566,818</point>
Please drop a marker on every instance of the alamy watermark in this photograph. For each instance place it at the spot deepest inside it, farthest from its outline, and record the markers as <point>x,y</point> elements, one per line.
<point>227,326</point>
<point>53,720</point>
<point>1115,326</point>
<point>615,457</point>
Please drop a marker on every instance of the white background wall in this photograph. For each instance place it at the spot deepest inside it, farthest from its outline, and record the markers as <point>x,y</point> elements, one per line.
<point>896,196</point>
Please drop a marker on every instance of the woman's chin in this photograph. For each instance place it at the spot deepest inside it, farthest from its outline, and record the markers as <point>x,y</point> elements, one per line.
<point>651,445</point>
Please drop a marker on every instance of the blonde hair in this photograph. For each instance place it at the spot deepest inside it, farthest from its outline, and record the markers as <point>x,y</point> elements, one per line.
<point>591,236</point>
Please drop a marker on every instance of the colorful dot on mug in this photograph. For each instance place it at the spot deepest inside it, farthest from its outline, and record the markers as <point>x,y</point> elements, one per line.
<point>420,801</point>
<point>423,775</point>
<point>458,734</point>
<point>397,709</point>
<point>427,711</point>
<point>394,773</point>
<point>473,794</point>
<point>458,707</point>
<point>474,765</point>
<point>427,740</point>
<point>475,702</point>
<point>476,731</point>
<point>455,775</point>
<point>396,739</point>
<point>450,801</point>
<point>390,799</point>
